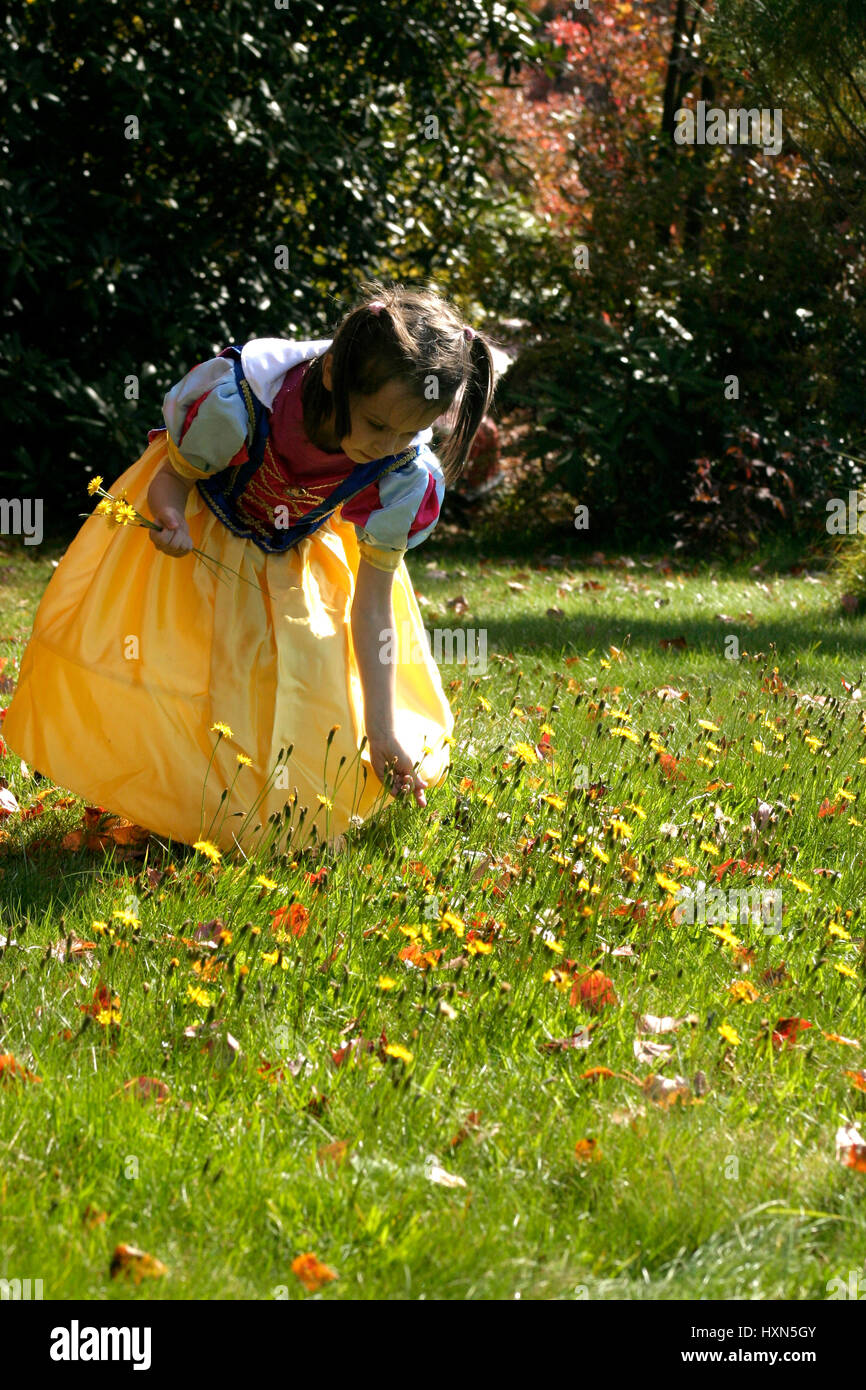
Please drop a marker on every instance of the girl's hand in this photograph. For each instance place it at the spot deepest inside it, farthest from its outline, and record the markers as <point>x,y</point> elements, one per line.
<point>390,760</point>
<point>174,538</point>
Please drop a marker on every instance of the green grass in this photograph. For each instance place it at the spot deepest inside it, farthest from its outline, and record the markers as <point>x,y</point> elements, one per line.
<point>734,1192</point>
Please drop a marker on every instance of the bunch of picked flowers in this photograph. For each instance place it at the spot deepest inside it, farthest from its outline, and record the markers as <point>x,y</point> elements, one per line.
<point>120,512</point>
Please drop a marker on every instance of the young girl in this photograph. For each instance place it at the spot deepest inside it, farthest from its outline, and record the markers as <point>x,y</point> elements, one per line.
<point>305,468</point>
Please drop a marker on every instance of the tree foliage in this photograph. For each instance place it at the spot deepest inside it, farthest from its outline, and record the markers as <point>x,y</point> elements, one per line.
<point>179,176</point>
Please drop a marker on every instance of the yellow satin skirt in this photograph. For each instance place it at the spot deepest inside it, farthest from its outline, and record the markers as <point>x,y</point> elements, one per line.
<point>135,655</point>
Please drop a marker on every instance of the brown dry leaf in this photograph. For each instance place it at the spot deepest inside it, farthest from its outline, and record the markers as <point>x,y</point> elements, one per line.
<point>135,1264</point>
<point>651,1023</point>
<point>666,1091</point>
<point>679,643</point>
<point>145,1088</point>
<point>649,1052</point>
<point>470,1125</point>
<point>332,1154</point>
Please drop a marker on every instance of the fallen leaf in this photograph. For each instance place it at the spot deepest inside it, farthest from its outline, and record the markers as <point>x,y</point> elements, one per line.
<point>12,1070</point>
<point>135,1264</point>
<point>592,989</point>
<point>312,1273</point>
<point>587,1151</point>
<point>435,1173</point>
<point>851,1148</point>
<point>146,1088</point>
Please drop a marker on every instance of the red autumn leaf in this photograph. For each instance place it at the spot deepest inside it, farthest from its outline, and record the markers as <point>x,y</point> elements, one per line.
<point>102,1001</point>
<point>294,918</point>
<point>593,989</point>
<point>670,767</point>
<point>787,1029</point>
<point>679,643</point>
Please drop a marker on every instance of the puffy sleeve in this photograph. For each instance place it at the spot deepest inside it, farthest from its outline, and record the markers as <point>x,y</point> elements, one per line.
<point>207,420</point>
<point>399,512</point>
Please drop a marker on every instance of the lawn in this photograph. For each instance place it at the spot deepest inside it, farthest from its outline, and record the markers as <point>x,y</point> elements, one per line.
<point>474,1054</point>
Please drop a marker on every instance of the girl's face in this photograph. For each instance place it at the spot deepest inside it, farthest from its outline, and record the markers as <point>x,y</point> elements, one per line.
<point>382,424</point>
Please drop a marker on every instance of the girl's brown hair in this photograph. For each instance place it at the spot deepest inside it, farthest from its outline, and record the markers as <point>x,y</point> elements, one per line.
<point>417,338</point>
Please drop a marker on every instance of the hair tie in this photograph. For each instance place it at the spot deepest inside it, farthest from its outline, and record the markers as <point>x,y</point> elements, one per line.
<point>468,333</point>
<point>376,307</point>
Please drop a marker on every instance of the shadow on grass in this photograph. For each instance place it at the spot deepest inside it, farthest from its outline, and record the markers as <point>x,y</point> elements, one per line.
<point>705,637</point>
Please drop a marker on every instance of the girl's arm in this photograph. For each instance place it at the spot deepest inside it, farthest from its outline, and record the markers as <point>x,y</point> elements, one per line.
<point>166,498</point>
<point>373,615</point>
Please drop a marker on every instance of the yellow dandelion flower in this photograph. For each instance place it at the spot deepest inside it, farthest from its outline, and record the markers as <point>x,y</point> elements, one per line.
<point>624,733</point>
<point>555,946</point>
<point>555,801</point>
<point>244,760</point>
<point>128,919</point>
<point>210,851</point>
<point>638,810</point>
<point>729,1034</point>
<point>222,729</point>
<point>103,508</point>
<point>726,935</point>
<point>107,1018</point>
<point>709,726</point>
<point>401,1053</point>
<point>800,886</point>
<point>710,849</point>
<point>600,854</point>
<point>743,991</point>
<point>198,996</point>
<point>266,882</point>
<point>758,746</point>
<point>479,948</point>
<point>845,970</point>
<point>385,982</point>
<point>813,743</point>
<point>326,801</point>
<point>485,704</point>
<point>449,921</point>
<point>621,830</point>
<point>525,752</point>
<point>834,929</point>
<point>94,485</point>
<point>670,885</point>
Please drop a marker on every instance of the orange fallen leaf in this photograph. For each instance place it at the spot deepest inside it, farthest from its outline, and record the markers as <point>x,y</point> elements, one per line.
<point>859,1079</point>
<point>312,1273</point>
<point>593,989</point>
<point>11,1070</point>
<point>851,1148</point>
<point>597,1074</point>
<point>135,1264</point>
<point>587,1151</point>
<point>334,1154</point>
<point>470,1124</point>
